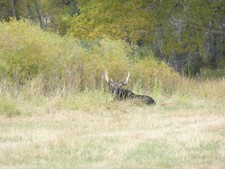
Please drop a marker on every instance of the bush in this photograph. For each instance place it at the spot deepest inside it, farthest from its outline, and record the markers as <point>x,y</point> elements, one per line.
<point>212,74</point>
<point>27,53</point>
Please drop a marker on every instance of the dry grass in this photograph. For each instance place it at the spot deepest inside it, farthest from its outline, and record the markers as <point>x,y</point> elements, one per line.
<point>172,134</point>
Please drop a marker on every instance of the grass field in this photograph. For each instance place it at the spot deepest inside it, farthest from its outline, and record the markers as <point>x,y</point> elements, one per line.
<point>53,133</point>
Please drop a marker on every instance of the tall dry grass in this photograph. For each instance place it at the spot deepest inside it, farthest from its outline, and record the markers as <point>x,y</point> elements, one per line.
<point>92,131</point>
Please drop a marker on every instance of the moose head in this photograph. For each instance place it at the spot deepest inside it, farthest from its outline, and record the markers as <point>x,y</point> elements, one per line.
<point>122,94</point>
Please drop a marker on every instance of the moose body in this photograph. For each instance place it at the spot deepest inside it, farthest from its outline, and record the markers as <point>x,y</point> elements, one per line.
<point>122,94</point>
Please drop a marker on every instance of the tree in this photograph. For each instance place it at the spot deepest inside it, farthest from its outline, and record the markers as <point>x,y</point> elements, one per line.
<point>117,19</point>
<point>187,34</point>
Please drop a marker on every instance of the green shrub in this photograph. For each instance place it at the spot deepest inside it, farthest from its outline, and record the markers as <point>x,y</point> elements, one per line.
<point>27,53</point>
<point>212,74</point>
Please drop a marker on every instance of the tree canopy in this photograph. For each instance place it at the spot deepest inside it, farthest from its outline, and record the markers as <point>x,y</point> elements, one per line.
<point>187,34</point>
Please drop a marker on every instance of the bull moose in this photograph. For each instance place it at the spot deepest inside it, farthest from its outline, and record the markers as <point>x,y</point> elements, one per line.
<point>123,94</point>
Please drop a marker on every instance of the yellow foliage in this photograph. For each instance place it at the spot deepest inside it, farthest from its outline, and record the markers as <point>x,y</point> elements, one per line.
<point>116,19</point>
<point>27,53</point>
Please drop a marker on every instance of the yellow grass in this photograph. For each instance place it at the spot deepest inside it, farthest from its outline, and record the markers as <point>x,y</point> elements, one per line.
<point>173,134</point>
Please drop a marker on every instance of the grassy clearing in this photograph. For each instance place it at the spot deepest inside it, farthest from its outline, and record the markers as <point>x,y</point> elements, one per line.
<point>90,130</point>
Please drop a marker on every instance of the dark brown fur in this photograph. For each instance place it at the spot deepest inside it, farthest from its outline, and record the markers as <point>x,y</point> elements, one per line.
<point>122,94</point>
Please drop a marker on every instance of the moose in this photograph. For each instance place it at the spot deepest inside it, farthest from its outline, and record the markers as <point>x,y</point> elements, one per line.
<point>123,94</point>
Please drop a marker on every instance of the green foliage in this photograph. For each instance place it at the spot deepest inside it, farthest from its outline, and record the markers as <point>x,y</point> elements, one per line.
<point>212,74</point>
<point>27,53</point>
<point>177,31</point>
<point>116,19</point>
<point>24,51</point>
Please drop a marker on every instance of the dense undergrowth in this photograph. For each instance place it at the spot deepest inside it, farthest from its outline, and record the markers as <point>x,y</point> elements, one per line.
<point>28,53</point>
<point>41,68</point>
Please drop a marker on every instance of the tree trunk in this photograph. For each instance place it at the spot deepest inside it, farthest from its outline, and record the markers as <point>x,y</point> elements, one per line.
<point>38,14</point>
<point>29,11</point>
<point>15,14</point>
<point>73,7</point>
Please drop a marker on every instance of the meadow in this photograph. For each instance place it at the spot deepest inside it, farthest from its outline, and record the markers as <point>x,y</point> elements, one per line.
<point>91,130</point>
<point>56,111</point>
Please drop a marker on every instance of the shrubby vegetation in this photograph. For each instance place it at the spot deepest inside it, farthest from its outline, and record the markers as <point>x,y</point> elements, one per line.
<point>27,53</point>
<point>43,69</point>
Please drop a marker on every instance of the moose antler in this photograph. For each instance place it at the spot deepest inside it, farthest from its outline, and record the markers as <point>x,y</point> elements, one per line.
<point>125,82</point>
<point>106,77</point>
<point>127,79</point>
